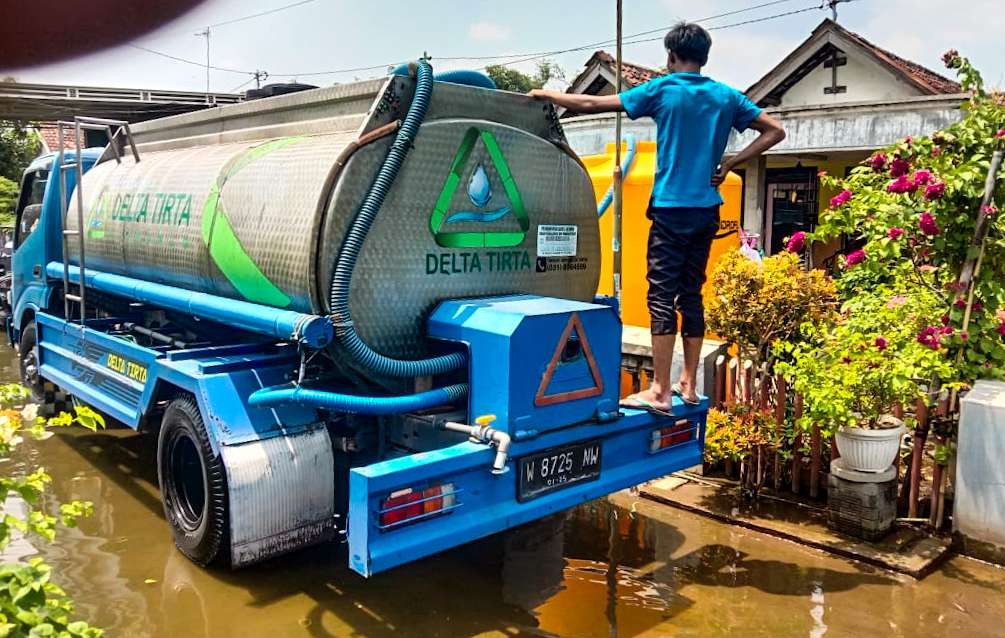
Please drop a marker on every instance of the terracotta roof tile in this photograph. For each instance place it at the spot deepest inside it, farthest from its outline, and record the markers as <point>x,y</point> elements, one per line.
<point>920,75</point>
<point>632,74</point>
<point>51,136</point>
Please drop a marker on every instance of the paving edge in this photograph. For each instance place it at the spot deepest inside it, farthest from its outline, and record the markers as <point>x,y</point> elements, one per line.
<point>777,533</point>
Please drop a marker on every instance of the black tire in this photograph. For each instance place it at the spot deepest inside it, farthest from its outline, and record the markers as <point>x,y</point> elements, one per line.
<point>193,485</point>
<point>42,392</point>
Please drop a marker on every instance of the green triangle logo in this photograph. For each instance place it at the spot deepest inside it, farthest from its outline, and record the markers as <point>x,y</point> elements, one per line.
<point>439,219</point>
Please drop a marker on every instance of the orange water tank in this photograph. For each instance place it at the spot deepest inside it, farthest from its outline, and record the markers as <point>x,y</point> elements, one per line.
<point>635,227</point>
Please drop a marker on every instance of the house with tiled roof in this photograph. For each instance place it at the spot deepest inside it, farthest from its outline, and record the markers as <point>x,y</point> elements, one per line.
<point>600,72</point>
<point>839,96</point>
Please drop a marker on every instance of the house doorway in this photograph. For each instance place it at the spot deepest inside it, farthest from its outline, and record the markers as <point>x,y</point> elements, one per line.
<point>791,204</point>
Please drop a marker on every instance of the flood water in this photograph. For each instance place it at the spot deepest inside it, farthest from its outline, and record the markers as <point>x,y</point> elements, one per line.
<point>619,567</point>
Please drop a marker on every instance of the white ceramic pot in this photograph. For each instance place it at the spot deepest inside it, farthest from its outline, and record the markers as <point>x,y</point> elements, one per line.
<point>868,450</point>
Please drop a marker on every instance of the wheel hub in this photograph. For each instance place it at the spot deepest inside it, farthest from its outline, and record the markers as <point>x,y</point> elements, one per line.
<point>187,486</point>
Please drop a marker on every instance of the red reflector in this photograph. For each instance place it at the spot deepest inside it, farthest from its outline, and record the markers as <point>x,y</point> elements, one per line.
<point>680,432</point>
<point>396,508</point>
<point>407,504</point>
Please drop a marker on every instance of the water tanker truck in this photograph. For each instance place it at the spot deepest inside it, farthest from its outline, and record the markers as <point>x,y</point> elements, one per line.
<point>365,312</point>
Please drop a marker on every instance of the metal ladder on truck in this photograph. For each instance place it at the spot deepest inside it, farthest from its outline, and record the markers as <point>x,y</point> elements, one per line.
<point>117,139</point>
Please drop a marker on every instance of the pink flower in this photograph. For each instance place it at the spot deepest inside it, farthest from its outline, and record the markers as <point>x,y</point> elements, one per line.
<point>908,140</point>
<point>936,151</point>
<point>854,258</point>
<point>989,210</point>
<point>964,335</point>
<point>896,301</point>
<point>841,198</point>
<point>955,286</point>
<point>895,233</point>
<point>922,177</point>
<point>945,320</point>
<point>1000,133</point>
<point>878,162</point>
<point>977,307</point>
<point>927,224</point>
<point>881,343</point>
<point>899,167</point>
<point>960,303</point>
<point>1001,329</point>
<point>902,184</point>
<point>821,173</point>
<point>797,242</point>
<point>929,337</point>
<point>935,190</point>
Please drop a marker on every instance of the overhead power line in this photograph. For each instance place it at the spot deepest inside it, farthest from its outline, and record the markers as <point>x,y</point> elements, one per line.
<point>261,13</point>
<point>546,54</point>
<point>612,41</point>
<point>510,59</point>
<point>525,57</point>
<point>187,61</point>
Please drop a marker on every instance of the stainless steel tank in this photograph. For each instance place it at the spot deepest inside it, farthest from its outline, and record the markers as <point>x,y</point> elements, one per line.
<point>252,201</point>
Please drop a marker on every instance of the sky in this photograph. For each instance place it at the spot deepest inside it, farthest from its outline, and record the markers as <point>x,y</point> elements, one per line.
<point>325,35</point>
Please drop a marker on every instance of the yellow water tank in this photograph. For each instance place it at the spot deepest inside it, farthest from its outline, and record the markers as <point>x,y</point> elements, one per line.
<point>635,227</point>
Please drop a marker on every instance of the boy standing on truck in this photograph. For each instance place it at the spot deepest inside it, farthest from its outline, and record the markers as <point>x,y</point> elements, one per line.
<point>693,115</point>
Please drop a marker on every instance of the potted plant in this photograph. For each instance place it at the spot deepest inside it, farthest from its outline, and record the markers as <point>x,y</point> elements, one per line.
<point>882,352</point>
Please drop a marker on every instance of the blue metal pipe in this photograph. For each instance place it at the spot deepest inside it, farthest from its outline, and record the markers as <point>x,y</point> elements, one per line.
<point>354,404</point>
<point>352,244</point>
<point>626,167</point>
<point>312,330</point>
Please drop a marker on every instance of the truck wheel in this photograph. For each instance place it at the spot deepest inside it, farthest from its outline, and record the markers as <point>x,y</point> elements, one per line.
<point>193,484</point>
<point>42,392</point>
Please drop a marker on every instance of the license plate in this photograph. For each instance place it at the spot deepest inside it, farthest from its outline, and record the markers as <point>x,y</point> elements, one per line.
<point>557,468</point>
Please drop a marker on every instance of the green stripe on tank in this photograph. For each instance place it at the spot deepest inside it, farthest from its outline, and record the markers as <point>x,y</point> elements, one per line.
<point>224,246</point>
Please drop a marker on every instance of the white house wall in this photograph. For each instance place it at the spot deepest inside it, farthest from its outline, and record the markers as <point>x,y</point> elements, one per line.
<point>817,129</point>
<point>866,81</point>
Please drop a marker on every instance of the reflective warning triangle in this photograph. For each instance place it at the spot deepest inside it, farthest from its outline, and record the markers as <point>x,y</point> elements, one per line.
<point>597,387</point>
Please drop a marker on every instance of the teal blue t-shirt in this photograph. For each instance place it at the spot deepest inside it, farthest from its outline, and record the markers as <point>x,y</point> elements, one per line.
<point>693,116</point>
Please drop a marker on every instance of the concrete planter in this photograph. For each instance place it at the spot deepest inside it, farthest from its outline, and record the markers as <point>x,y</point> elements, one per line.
<point>869,450</point>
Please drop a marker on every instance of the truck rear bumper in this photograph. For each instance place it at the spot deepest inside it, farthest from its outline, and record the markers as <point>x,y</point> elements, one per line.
<point>481,503</point>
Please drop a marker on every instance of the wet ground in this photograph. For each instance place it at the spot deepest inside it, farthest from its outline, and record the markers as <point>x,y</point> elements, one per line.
<point>625,567</point>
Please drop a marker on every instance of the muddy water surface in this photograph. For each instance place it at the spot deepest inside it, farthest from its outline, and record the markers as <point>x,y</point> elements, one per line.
<point>618,567</point>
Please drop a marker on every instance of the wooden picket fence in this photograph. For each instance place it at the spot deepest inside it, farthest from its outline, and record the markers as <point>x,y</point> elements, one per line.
<point>921,497</point>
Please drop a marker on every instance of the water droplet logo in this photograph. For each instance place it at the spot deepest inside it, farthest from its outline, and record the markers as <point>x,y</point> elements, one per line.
<point>480,194</point>
<point>479,188</point>
<point>476,230</point>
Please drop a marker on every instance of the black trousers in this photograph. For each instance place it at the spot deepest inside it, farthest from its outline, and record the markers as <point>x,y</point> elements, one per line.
<point>679,242</point>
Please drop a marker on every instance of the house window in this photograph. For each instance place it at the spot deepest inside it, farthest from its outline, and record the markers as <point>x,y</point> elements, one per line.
<point>791,204</point>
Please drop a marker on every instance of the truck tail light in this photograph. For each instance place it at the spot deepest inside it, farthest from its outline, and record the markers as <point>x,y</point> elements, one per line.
<point>411,505</point>
<point>680,432</point>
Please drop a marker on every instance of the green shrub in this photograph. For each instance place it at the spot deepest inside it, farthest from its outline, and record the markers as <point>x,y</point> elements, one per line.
<point>30,603</point>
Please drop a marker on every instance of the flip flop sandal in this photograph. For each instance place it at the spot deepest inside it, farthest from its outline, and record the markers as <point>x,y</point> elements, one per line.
<point>641,404</point>
<point>677,390</point>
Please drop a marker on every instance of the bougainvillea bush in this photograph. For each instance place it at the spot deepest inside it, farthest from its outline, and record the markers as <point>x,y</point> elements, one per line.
<point>914,207</point>
<point>854,371</point>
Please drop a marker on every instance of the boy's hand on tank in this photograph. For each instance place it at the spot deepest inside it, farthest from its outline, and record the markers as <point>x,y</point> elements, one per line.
<point>538,94</point>
<point>719,176</point>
